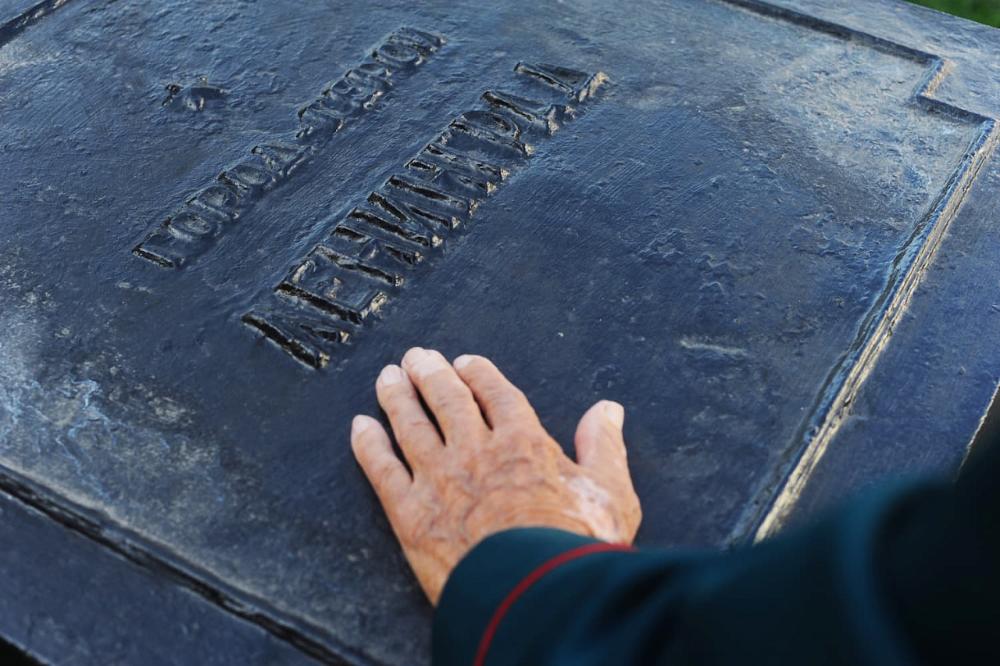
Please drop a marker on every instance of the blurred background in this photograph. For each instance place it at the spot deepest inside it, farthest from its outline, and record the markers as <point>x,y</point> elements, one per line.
<point>984,11</point>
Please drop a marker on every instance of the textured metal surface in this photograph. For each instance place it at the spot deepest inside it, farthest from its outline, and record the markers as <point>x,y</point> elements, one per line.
<point>768,229</point>
<point>54,593</point>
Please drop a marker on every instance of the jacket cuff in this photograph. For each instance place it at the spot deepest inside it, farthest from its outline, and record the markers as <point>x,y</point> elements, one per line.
<point>490,579</point>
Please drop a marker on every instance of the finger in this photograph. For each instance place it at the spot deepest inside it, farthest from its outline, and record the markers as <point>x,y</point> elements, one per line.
<point>500,400</point>
<point>416,434</point>
<point>384,470</point>
<point>447,396</point>
<point>600,444</point>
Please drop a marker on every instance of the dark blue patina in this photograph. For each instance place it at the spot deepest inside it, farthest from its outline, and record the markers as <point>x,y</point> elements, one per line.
<point>768,228</point>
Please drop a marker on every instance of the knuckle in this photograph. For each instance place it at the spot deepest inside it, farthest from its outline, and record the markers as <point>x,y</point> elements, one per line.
<point>417,431</point>
<point>384,475</point>
<point>522,434</point>
<point>504,398</point>
<point>396,411</point>
<point>395,395</point>
<point>418,426</point>
<point>496,397</point>
<point>448,401</point>
<point>454,399</point>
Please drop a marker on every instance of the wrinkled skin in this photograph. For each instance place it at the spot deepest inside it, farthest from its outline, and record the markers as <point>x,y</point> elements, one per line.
<point>488,464</point>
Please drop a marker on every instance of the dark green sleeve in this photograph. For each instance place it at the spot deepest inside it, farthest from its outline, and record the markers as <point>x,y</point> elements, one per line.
<point>904,575</point>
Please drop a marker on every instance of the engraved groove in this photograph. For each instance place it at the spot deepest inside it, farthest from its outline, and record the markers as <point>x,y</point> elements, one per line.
<point>385,203</point>
<point>160,560</point>
<point>19,23</point>
<point>843,385</point>
<point>319,302</point>
<point>272,163</point>
<point>348,262</point>
<point>393,227</point>
<point>777,498</point>
<point>430,193</point>
<point>451,183</point>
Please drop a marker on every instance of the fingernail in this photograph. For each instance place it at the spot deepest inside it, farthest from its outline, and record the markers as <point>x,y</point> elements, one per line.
<point>391,374</point>
<point>462,361</point>
<point>360,424</point>
<point>423,362</point>
<point>614,412</point>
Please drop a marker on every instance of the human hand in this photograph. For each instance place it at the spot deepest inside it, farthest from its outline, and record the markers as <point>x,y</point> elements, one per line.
<point>488,466</point>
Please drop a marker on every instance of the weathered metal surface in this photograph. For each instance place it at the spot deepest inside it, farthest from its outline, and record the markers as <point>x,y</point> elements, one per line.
<point>54,592</point>
<point>768,229</point>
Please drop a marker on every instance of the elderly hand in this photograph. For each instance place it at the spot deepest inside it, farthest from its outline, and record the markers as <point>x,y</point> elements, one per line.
<point>488,464</point>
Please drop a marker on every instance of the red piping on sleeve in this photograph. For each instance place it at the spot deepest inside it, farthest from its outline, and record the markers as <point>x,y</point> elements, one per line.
<point>531,579</point>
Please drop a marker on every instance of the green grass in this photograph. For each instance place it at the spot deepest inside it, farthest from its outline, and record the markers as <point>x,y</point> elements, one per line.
<point>984,11</point>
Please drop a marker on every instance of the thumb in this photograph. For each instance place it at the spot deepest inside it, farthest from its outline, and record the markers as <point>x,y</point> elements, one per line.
<point>599,441</point>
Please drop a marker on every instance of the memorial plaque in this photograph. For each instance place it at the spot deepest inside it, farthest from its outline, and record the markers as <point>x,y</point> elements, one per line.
<point>769,229</point>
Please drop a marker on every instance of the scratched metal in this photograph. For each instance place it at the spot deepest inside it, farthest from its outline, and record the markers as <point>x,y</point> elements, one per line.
<point>768,229</point>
